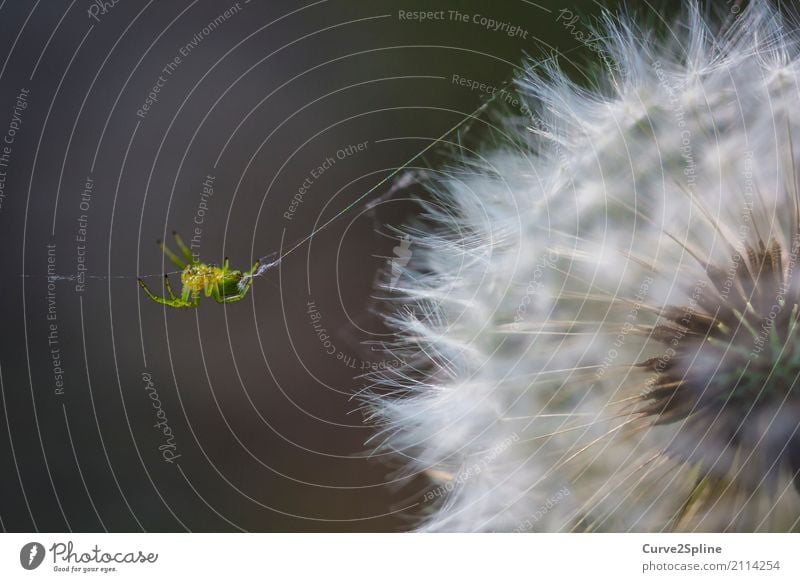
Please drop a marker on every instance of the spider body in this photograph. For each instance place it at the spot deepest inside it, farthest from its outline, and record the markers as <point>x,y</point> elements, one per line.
<point>221,283</point>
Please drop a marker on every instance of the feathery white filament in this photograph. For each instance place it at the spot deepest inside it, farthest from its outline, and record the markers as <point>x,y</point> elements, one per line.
<point>537,266</point>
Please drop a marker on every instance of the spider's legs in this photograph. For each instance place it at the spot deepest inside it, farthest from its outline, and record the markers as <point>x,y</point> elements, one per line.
<point>249,274</point>
<point>216,293</point>
<point>176,260</point>
<point>248,278</point>
<point>182,246</point>
<point>148,292</point>
<point>188,298</point>
<point>232,298</point>
<point>172,302</point>
<point>169,287</point>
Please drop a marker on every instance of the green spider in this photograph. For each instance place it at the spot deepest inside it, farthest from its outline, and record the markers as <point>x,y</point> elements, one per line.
<point>223,284</point>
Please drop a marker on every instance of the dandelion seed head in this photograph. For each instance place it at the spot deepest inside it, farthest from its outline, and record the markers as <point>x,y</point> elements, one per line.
<point>605,305</point>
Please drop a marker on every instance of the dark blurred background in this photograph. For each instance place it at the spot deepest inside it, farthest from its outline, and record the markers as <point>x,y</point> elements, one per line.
<point>262,431</point>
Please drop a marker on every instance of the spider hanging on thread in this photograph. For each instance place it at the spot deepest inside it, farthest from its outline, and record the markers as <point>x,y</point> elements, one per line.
<point>221,283</point>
